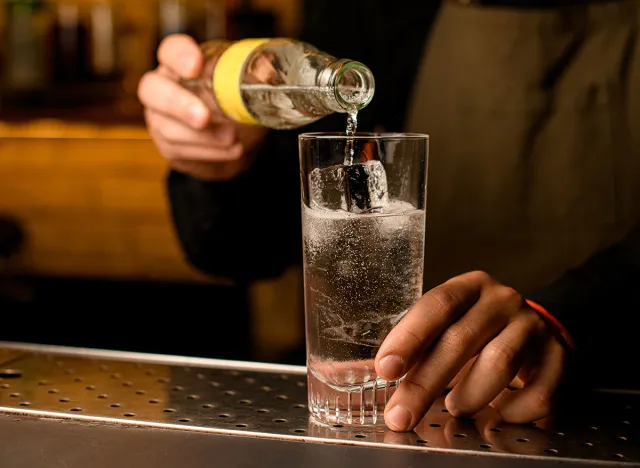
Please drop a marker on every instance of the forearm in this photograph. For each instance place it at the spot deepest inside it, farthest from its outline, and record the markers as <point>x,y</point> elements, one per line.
<point>597,303</point>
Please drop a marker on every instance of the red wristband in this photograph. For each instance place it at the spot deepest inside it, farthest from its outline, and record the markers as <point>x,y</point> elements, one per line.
<point>553,321</point>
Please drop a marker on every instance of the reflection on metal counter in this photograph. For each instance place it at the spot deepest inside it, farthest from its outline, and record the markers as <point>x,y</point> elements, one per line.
<point>49,391</point>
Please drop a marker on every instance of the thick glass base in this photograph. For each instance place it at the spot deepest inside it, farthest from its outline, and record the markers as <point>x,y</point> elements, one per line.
<point>361,405</point>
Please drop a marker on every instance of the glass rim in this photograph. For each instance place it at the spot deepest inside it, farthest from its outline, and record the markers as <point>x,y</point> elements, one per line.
<point>363,136</point>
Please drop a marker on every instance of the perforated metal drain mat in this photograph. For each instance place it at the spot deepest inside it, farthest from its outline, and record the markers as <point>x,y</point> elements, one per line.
<point>270,401</point>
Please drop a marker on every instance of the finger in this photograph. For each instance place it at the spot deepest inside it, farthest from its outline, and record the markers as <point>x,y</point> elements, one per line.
<point>427,379</point>
<point>534,401</point>
<point>182,55</point>
<point>221,136</point>
<point>197,153</point>
<point>209,171</point>
<point>495,367</point>
<point>165,96</point>
<point>425,321</point>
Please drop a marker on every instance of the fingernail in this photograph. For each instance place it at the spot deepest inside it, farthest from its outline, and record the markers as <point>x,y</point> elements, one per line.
<point>398,418</point>
<point>197,114</point>
<point>391,367</point>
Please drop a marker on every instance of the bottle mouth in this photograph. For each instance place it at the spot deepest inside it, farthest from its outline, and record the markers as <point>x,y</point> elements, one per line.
<point>354,85</point>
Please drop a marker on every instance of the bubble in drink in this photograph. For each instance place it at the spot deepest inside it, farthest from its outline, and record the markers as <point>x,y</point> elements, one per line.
<point>358,188</point>
<point>362,272</point>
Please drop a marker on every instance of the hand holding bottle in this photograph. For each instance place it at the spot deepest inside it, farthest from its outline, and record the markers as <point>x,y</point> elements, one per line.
<point>196,139</point>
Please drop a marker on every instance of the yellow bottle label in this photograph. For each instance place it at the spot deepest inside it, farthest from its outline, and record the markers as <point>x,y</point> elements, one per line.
<point>226,80</point>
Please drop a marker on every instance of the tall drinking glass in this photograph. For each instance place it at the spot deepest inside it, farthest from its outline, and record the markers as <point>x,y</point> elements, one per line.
<point>363,215</point>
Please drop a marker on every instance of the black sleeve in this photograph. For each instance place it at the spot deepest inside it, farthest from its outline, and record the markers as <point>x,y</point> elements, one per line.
<point>598,303</point>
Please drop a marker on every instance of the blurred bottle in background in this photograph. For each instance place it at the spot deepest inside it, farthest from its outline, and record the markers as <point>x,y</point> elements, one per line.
<point>26,72</point>
<point>70,37</point>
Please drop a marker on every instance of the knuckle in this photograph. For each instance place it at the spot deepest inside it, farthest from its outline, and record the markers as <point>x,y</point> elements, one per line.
<point>479,276</point>
<point>418,390</point>
<point>501,358</point>
<point>507,297</point>
<point>541,401</point>
<point>444,298</point>
<point>457,337</point>
<point>145,83</point>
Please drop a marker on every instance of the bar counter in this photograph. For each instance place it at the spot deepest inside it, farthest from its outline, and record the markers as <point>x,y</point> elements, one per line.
<point>72,408</point>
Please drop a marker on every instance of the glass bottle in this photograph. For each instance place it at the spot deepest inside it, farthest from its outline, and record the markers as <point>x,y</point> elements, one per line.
<point>279,83</point>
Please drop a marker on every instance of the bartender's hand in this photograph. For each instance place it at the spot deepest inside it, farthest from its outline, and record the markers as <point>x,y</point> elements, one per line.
<point>195,140</point>
<point>477,337</point>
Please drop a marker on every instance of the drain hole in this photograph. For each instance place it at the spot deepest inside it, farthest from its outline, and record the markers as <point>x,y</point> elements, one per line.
<point>338,426</point>
<point>559,434</point>
<point>234,373</point>
<point>163,380</point>
<point>192,397</point>
<point>53,390</point>
<point>115,376</point>
<point>4,385</point>
<point>626,423</point>
<point>622,438</point>
<point>300,383</point>
<point>201,376</point>
<point>495,429</point>
<point>445,410</point>
<point>459,436</point>
<point>593,428</point>
<point>262,410</point>
<point>70,371</point>
<point>76,409</point>
<point>435,425</point>
<point>300,431</point>
<point>43,382</point>
<point>64,400</point>
<point>78,379</point>
<point>250,380</point>
<point>154,401</point>
<point>169,410</point>
<point>150,372</point>
<point>551,451</point>
<point>184,420</point>
<point>129,415</point>
<point>587,444</point>
<point>104,368</point>
<point>127,384</point>
<point>485,446</point>
<point>141,392</point>
<point>421,441</point>
<point>103,396</point>
<point>10,374</point>
<point>207,406</point>
<point>214,384</point>
<point>245,402</point>
<point>265,388</point>
<point>115,405</point>
<point>90,387</point>
<point>241,425</point>
<point>230,392</point>
<point>522,440</point>
<point>282,397</point>
<point>177,388</point>
<point>14,395</point>
<point>618,455</point>
<point>224,415</point>
<point>360,436</point>
<point>280,420</point>
<point>25,403</point>
<point>300,406</point>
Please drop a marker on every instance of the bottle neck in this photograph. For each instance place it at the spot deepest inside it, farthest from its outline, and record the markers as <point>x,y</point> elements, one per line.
<point>350,85</point>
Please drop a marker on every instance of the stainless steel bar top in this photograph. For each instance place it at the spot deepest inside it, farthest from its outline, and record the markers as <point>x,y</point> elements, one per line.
<point>68,407</point>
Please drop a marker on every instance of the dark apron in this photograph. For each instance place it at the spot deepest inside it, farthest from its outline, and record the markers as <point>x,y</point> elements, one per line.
<point>534,118</point>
